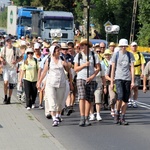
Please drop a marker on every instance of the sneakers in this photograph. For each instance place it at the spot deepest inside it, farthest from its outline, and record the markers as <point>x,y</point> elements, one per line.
<point>87,123</point>
<point>8,100</point>
<point>91,117</point>
<point>82,121</point>
<point>55,123</point>
<point>130,103</point>
<point>98,117</point>
<point>48,116</point>
<point>41,107</point>
<point>123,122</point>
<point>33,105</point>
<point>112,113</point>
<point>135,104</point>
<point>116,119</point>
<point>28,108</point>
<point>68,111</point>
<point>59,119</point>
<point>5,101</point>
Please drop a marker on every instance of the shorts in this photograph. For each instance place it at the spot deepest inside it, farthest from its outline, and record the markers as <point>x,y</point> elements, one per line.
<point>112,94</point>
<point>86,91</point>
<point>10,75</point>
<point>123,90</point>
<point>98,93</point>
<point>137,80</point>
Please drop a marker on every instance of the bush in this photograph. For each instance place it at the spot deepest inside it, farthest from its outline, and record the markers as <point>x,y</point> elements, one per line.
<point>3,18</point>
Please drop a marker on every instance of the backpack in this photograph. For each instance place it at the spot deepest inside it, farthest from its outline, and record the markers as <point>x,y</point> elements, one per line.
<point>80,57</point>
<point>49,59</point>
<point>139,59</point>
<point>117,56</point>
<point>14,52</point>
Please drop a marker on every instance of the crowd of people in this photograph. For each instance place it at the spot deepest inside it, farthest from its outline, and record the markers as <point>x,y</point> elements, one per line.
<point>62,73</point>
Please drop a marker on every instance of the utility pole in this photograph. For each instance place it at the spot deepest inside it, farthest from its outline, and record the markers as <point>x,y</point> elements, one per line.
<point>133,21</point>
<point>88,27</point>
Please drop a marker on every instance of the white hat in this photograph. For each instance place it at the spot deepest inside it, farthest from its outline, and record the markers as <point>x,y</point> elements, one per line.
<point>52,48</point>
<point>123,42</point>
<point>22,37</point>
<point>133,44</point>
<point>36,46</point>
<point>39,37</point>
<point>23,43</point>
<point>29,50</point>
<point>96,45</point>
<point>54,41</point>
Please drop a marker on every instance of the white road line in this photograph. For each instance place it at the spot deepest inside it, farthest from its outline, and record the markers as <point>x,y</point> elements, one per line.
<point>144,105</point>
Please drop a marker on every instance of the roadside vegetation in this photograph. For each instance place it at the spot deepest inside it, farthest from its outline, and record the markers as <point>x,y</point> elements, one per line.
<point>118,12</point>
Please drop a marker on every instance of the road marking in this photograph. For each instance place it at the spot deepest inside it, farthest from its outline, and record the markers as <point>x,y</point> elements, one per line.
<point>144,105</point>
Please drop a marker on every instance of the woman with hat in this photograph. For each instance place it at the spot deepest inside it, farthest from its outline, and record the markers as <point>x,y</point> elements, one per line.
<point>29,72</point>
<point>112,46</point>
<point>105,63</point>
<point>55,82</point>
<point>86,85</point>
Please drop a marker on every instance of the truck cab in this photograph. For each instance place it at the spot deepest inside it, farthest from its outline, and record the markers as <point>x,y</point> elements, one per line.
<point>19,20</point>
<point>54,24</point>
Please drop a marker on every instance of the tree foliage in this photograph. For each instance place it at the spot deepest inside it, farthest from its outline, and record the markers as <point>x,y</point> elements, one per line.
<point>118,12</point>
<point>144,20</point>
<point>3,16</point>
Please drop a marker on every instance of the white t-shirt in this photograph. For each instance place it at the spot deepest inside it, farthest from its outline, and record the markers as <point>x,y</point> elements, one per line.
<point>9,54</point>
<point>82,74</point>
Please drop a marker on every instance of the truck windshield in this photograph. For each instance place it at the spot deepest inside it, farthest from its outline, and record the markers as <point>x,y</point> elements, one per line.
<point>25,21</point>
<point>58,24</point>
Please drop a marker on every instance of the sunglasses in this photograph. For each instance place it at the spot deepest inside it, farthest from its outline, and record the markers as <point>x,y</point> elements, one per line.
<point>30,53</point>
<point>64,49</point>
<point>98,51</point>
<point>102,47</point>
<point>47,50</point>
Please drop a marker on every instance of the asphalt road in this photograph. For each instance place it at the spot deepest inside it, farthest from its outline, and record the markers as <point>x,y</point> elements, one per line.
<point>104,135</point>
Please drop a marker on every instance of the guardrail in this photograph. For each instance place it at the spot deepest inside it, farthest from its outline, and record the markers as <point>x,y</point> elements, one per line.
<point>141,49</point>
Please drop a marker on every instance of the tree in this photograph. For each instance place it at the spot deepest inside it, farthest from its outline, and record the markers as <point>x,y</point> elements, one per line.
<point>3,16</point>
<point>144,20</point>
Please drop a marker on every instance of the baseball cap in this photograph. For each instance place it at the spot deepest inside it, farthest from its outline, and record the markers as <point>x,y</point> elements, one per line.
<point>133,44</point>
<point>36,46</point>
<point>8,38</point>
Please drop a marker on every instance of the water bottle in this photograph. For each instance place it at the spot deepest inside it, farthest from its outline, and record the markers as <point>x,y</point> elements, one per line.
<point>19,89</point>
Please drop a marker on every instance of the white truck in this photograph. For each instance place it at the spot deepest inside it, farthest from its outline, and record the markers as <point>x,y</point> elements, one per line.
<point>53,25</point>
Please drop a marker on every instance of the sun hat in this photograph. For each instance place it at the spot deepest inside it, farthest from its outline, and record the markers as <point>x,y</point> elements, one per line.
<point>84,41</point>
<point>29,50</point>
<point>46,45</point>
<point>52,48</point>
<point>107,52</point>
<point>123,42</point>
<point>54,41</point>
<point>112,44</point>
<point>64,46</point>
